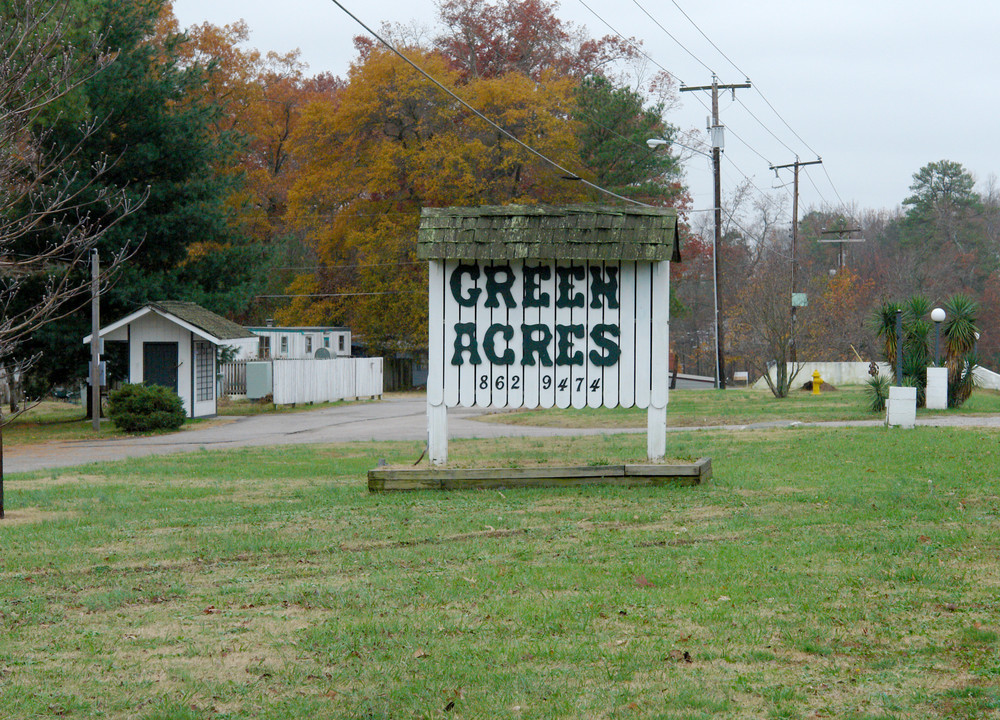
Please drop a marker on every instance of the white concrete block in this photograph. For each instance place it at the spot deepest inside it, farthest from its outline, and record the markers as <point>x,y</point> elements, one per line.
<point>901,408</point>
<point>937,388</point>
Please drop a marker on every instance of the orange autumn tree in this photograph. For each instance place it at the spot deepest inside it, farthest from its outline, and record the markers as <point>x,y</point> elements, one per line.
<point>260,97</point>
<point>392,144</point>
<point>837,324</point>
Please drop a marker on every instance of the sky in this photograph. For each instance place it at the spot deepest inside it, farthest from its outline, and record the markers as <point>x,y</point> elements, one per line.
<point>875,88</point>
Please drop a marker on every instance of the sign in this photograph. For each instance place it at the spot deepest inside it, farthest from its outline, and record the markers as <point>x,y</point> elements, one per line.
<point>540,333</point>
<point>548,306</point>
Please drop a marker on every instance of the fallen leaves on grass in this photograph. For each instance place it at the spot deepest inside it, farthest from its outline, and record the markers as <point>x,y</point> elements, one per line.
<point>680,656</point>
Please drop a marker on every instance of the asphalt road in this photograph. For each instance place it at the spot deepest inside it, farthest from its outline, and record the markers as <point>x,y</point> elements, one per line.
<point>394,418</point>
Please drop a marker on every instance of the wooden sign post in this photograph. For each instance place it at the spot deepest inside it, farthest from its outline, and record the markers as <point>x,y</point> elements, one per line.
<point>536,306</point>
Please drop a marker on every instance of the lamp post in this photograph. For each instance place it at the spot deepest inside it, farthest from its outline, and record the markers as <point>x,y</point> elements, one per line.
<point>937,315</point>
<point>899,347</point>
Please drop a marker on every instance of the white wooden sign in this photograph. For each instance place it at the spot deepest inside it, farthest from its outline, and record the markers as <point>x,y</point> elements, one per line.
<point>511,334</point>
<point>582,322</point>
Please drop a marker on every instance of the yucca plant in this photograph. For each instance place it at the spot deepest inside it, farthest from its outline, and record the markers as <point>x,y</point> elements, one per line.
<point>885,329</point>
<point>959,337</point>
<point>877,390</point>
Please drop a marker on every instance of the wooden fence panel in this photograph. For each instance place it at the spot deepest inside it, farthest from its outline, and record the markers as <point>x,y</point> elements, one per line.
<point>234,378</point>
<point>305,381</point>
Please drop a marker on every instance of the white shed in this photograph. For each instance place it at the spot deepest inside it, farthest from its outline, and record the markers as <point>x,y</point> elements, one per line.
<point>174,344</point>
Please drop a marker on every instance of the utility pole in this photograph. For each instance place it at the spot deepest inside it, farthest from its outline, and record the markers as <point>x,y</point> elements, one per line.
<point>95,340</point>
<point>840,240</point>
<point>718,142</point>
<point>795,237</point>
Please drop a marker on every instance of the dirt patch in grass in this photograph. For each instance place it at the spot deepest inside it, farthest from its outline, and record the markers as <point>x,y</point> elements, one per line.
<point>780,490</point>
<point>173,643</point>
<point>368,546</point>
<point>39,483</point>
<point>27,516</point>
<point>682,542</point>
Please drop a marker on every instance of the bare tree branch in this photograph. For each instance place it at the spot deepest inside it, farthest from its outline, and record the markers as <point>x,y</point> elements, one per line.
<point>51,216</point>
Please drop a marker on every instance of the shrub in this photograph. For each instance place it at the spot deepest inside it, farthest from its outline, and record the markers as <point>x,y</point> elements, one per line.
<point>877,390</point>
<point>958,335</point>
<point>138,408</point>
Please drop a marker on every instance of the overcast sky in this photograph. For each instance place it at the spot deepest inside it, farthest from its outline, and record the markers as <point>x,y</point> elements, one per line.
<point>877,88</point>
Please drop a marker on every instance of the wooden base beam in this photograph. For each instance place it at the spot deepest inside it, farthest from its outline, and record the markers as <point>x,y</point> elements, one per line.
<point>494,478</point>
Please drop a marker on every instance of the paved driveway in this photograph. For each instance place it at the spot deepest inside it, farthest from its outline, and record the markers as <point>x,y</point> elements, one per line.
<point>394,418</point>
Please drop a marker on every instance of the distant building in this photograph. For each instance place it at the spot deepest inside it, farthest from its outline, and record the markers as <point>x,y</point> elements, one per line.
<point>295,343</point>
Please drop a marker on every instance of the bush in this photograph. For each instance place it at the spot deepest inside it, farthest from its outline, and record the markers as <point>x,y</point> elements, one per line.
<point>138,408</point>
<point>877,391</point>
<point>958,336</point>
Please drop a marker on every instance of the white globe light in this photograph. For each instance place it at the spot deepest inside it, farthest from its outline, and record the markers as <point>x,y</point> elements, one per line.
<point>937,315</point>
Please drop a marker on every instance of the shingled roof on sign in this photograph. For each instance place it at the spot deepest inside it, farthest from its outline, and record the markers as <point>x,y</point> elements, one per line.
<point>549,232</point>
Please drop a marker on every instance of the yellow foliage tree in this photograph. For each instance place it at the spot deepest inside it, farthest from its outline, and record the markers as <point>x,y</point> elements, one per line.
<point>391,144</point>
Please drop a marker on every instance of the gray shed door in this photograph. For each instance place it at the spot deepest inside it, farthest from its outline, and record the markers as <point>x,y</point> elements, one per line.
<point>159,364</point>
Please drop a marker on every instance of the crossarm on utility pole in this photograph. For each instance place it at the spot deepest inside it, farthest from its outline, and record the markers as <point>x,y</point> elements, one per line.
<point>795,237</point>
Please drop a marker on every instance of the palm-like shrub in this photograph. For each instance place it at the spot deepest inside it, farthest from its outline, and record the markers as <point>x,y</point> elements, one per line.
<point>961,336</point>
<point>877,390</point>
<point>958,336</point>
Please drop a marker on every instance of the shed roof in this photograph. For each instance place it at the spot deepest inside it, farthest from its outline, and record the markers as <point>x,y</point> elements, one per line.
<point>202,322</point>
<point>546,232</point>
<point>196,315</point>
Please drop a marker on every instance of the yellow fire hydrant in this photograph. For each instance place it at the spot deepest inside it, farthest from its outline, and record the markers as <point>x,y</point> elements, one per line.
<point>817,382</point>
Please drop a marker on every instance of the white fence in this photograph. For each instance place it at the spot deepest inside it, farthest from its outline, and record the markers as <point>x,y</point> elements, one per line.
<point>986,379</point>
<point>835,373</point>
<point>305,381</point>
<point>856,373</point>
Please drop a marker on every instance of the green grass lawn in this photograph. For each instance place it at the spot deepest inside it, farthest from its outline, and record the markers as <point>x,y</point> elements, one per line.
<point>54,420</point>
<point>62,421</point>
<point>847,573</point>
<point>739,406</point>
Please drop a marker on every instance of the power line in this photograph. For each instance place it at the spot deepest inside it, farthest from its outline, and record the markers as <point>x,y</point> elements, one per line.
<point>350,266</point>
<point>707,38</point>
<point>816,188</point>
<point>699,99</point>
<point>335,295</point>
<point>742,72</point>
<point>763,97</point>
<point>830,180</point>
<point>629,41</point>
<point>669,35</point>
<point>766,128</point>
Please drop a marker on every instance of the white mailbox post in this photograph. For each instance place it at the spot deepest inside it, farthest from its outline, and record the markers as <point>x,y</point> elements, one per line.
<point>541,306</point>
